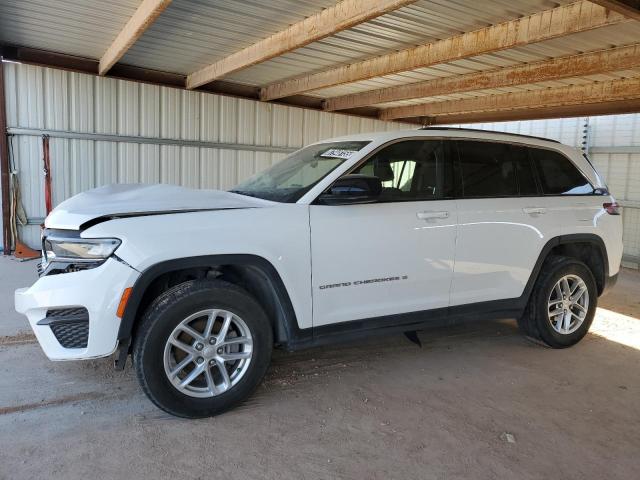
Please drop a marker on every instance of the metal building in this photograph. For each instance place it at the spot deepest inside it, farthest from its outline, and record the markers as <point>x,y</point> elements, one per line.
<point>106,131</point>
<point>204,94</point>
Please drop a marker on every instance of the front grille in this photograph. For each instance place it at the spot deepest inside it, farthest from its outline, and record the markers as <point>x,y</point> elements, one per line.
<point>71,334</point>
<point>73,313</point>
<point>70,326</point>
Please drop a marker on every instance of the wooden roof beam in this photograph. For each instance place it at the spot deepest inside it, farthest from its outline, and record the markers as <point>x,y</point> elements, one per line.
<point>329,21</point>
<point>585,110</point>
<point>142,19</point>
<point>628,8</point>
<point>611,60</point>
<point>565,20</point>
<point>612,91</point>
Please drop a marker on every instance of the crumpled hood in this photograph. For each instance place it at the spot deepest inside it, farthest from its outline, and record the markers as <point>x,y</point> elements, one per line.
<point>126,200</point>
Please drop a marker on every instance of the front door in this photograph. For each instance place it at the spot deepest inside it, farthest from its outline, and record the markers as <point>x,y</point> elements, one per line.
<point>393,256</point>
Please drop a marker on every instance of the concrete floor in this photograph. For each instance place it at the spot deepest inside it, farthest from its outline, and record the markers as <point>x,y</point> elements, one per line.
<point>14,274</point>
<point>477,401</point>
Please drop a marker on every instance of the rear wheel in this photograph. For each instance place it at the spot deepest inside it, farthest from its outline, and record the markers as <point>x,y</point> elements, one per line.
<point>562,304</point>
<point>202,347</point>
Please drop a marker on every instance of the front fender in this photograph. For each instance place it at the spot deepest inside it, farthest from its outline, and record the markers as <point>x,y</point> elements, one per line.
<point>279,235</point>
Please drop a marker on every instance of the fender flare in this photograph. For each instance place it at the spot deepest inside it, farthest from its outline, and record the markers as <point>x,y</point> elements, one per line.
<point>287,322</point>
<point>569,239</point>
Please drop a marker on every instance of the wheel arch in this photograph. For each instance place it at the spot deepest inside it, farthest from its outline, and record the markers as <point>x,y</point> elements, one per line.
<point>586,247</point>
<point>252,272</point>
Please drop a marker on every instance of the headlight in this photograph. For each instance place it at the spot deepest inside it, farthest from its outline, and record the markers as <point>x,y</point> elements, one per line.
<point>69,254</point>
<point>86,249</point>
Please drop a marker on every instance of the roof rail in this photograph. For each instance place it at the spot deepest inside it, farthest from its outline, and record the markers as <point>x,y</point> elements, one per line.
<point>488,131</point>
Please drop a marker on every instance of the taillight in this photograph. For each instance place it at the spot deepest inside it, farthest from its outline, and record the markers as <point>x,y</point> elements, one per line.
<point>612,208</point>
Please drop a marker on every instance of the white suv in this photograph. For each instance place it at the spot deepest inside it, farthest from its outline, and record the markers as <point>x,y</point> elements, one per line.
<point>365,234</point>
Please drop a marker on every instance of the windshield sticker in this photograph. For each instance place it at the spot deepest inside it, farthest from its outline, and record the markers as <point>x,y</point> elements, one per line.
<point>338,153</point>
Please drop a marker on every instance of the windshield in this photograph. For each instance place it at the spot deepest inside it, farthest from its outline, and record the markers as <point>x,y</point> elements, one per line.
<point>291,178</point>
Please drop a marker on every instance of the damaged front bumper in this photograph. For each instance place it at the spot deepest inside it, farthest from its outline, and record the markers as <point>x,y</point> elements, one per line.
<point>73,315</point>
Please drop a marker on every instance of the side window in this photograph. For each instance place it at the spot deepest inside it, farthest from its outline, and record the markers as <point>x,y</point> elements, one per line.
<point>558,175</point>
<point>411,170</point>
<point>527,186</point>
<point>486,169</point>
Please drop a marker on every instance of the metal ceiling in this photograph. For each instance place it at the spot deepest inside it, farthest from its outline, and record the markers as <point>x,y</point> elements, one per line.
<point>191,34</point>
<point>598,39</point>
<point>76,27</point>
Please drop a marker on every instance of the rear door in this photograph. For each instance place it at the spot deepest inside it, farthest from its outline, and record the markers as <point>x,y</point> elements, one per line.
<point>390,257</point>
<point>568,199</point>
<point>501,221</point>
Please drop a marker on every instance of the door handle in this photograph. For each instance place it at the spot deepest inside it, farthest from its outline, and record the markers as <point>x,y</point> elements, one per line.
<point>534,210</point>
<point>431,215</point>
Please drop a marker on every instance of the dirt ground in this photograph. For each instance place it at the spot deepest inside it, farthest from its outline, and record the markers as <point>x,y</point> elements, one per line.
<point>477,401</point>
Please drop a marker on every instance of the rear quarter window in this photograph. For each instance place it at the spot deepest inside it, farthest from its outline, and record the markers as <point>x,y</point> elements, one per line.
<point>558,175</point>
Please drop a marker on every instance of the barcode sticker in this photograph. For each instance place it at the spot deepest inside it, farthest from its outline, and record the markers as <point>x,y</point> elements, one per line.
<point>338,153</point>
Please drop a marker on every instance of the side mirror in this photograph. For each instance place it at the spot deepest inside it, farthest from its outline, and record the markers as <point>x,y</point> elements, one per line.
<point>352,189</point>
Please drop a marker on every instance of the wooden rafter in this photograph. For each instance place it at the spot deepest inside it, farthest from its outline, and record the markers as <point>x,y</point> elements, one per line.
<point>593,93</point>
<point>586,110</point>
<point>611,60</point>
<point>628,8</point>
<point>143,17</point>
<point>343,15</point>
<point>565,20</point>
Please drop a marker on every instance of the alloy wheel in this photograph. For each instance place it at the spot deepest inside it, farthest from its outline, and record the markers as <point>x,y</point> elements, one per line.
<point>568,304</point>
<point>208,353</point>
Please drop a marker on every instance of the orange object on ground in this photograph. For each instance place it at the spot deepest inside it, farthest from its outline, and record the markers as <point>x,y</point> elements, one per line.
<point>24,252</point>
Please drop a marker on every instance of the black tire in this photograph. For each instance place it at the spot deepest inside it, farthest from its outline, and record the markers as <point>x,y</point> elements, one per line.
<point>165,313</point>
<point>535,323</point>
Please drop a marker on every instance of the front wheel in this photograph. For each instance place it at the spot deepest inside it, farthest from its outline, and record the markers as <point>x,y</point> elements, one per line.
<point>562,304</point>
<point>202,347</point>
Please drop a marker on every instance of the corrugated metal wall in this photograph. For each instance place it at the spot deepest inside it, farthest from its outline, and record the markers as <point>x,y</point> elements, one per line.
<point>614,147</point>
<point>44,98</point>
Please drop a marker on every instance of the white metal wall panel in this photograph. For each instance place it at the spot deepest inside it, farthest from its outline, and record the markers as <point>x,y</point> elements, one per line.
<point>81,105</point>
<point>622,173</point>
<point>55,86</point>
<point>52,99</point>
<point>149,155</point>
<point>565,130</point>
<point>616,131</point>
<point>106,102</point>
<point>631,218</point>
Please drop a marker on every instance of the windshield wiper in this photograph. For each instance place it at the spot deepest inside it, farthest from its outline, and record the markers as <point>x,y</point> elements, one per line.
<point>242,192</point>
